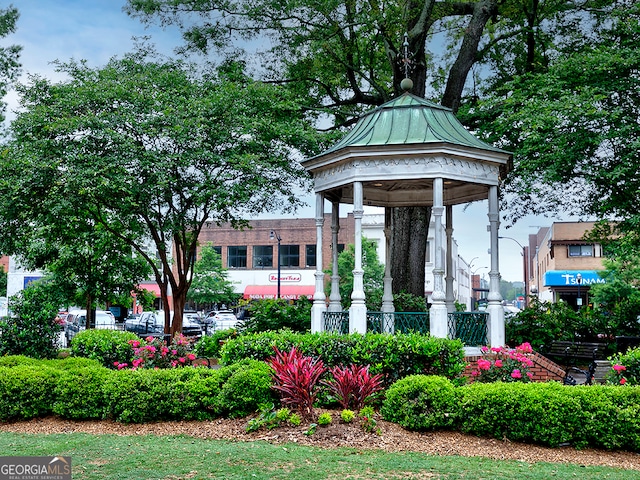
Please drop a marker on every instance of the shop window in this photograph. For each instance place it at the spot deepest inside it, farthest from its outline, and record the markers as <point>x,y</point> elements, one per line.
<point>237,257</point>
<point>262,256</point>
<point>290,255</point>
<point>310,255</point>
<point>581,250</point>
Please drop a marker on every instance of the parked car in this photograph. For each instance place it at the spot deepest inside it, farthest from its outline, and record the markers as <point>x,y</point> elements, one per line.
<point>148,323</point>
<point>76,321</point>
<point>221,320</point>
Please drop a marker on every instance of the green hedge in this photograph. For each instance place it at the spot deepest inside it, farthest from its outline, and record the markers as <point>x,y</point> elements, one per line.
<point>395,356</point>
<point>83,389</point>
<point>549,414</point>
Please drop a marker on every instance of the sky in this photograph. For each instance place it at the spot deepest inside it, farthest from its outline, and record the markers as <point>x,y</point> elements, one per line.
<point>97,30</point>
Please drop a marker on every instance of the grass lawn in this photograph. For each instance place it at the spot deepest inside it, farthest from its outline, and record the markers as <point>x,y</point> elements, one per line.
<point>182,457</point>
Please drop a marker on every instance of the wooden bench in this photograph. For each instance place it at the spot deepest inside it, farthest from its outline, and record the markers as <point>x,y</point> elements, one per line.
<point>569,354</point>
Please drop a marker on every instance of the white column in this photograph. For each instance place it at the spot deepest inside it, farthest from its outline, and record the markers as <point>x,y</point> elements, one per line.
<point>335,304</point>
<point>494,308</point>
<point>450,297</point>
<point>438,312</point>
<point>387,292</point>
<point>319,298</point>
<point>358,309</point>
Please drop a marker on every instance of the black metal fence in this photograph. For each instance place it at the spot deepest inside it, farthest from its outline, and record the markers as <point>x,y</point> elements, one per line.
<point>470,327</point>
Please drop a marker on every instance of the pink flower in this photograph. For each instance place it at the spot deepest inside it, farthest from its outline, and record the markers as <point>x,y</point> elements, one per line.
<point>191,356</point>
<point>496,349</point>
<point>122,365</point>
<point>623,381</point>
<point>516,374</point>
<point>149,339</point>
<point>484,364</point>
<point>182,359</point>
<point>530,375</point>
<point>116,363</point>
<point>619,368</point>
<point>498,363</point>
<point>174,352</point>
<point>475,373</point>
<point>525,348</point>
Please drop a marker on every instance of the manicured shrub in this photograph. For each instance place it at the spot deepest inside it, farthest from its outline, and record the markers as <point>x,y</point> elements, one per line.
<point>209,345</point>
<point>394,356</point>
<point>106,346</point>
<point>246,389</point>
<point>79,393</point>
<point>27,391</point>
<point>421,402</point>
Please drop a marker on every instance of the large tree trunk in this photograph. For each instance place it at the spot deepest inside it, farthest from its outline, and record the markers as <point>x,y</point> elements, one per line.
<point>408,249</point>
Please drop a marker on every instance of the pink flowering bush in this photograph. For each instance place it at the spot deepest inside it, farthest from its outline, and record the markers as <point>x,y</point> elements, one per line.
<point>625,368</point>
<point>503,364</point>
<point>152,352</point>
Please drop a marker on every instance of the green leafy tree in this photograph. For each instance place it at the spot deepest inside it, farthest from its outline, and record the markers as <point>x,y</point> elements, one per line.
<point>574,127</point>
<point>151,151</point>
<point>373,274</point>
<point>32,330</point>
<point>9,55</point>
<point>210,283</point>
<point>348,57</point>
<point>3,282</point>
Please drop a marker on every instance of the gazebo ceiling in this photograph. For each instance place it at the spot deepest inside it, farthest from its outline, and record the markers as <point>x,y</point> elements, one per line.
<point>397,149</point>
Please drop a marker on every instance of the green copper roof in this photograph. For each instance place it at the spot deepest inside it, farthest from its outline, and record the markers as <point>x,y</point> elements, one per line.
<point>407,120</point>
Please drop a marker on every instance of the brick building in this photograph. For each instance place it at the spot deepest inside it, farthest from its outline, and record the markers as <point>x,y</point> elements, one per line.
<point>563,264</point>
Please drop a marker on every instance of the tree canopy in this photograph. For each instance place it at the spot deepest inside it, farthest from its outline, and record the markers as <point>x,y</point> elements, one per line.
<point>151,151</point>
<point>210,283</point>
<point>9,55</point>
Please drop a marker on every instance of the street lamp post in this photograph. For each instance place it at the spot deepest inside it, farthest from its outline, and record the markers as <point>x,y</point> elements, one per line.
<point>579,280</point>
<point>274,236</point>
<point>525,270</point>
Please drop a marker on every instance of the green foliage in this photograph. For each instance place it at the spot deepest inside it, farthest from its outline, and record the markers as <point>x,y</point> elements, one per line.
<point>248,387</point>
<point>408,302</point>
<point>32,330</point>
<point>324,419</point>
<point>109,347</point>
<point>79,393</point>
<point>625,368</point>
<point>347,416</point>
<point>210,282</point>
<point>373,274</point>
<point>543,322</point>
<point>394,356</point>
<point>3,282</point>
<point>422,402</point>
<point>545,413</point>
<point>185,173</point>
<point>27,391</point>
<point>209,345</point>
<point>277,314</point>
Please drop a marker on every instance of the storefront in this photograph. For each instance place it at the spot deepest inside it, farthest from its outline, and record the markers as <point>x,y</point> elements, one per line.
<point>572,286</point>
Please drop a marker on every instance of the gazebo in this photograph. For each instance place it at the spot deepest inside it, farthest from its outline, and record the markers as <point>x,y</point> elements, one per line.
<point>407,152</point>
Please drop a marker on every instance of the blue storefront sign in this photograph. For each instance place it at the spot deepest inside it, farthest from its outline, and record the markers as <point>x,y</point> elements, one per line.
<point>568,278</point>
<point>29,280</point>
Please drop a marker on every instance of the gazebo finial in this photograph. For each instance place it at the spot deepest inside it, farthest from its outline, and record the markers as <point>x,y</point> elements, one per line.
<point>406,84</point>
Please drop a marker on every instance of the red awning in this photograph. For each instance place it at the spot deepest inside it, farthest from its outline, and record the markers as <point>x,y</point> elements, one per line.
<point>288,292</point>
<point>151,287</point>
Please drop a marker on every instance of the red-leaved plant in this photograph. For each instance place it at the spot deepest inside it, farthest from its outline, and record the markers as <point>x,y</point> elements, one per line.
<point>296,379</point>
<point>353,386</point>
